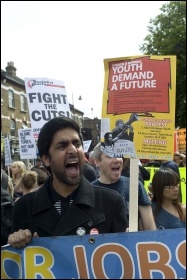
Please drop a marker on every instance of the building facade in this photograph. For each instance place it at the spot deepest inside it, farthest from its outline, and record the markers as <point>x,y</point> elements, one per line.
<point>14,110</point>
<point>91,131</point>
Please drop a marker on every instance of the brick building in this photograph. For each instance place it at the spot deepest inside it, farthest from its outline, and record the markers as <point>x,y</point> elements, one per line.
<point>14,109</point>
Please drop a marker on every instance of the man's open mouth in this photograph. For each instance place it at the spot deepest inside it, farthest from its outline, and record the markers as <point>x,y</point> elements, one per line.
<point>72,167</point>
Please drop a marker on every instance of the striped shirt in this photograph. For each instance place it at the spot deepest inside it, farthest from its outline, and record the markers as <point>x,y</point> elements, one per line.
<point>62,204</point>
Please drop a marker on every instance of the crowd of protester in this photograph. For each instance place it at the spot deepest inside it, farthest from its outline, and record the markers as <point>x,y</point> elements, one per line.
<point>92,182</point>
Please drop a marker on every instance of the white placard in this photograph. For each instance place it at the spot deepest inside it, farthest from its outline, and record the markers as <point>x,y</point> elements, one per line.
<point>105,126</point>
<point>8,159</point>
<point>133,195</point>
<point>47,99</point>
<point>124,148</point>
<point>86,145</point>
<point>27,144</point>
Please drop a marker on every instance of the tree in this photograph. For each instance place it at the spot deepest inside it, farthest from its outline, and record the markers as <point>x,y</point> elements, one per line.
<point>168,37</point>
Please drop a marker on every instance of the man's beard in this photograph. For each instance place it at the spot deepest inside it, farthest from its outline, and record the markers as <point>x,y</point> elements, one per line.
<point>62,176</point>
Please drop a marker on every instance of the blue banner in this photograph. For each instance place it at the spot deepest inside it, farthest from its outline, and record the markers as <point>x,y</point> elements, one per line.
<point>159,254</point>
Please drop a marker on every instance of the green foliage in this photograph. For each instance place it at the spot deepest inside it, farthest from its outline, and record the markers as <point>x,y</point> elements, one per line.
<point>167,36</point>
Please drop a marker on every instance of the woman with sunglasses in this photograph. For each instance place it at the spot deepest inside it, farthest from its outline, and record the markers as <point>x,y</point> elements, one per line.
<point>168,212</point>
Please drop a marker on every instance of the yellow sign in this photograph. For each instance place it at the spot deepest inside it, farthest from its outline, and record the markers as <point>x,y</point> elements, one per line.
<point>138,112</point>
<point>181,140</point>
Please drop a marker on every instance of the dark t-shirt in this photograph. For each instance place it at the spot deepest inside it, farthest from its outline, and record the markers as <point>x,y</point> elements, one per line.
<point>172,165</point>
<point>122,187</point>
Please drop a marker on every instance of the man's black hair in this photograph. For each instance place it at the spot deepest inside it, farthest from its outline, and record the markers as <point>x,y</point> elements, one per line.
<point>50,128</point>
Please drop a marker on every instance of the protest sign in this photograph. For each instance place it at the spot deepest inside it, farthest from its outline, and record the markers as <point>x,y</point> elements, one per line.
<point>180,140</point>
<point>159,254</point>
<point>139,103</point>
<point>46,99</point>
<point>8,159</point>
<point>86,145</point>
<point>27,144</point>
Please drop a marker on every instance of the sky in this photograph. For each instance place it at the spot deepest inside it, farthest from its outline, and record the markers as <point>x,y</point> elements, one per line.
<point>69,40</point>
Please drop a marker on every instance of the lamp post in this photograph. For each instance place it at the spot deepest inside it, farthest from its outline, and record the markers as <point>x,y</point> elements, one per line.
<point>73,107</point>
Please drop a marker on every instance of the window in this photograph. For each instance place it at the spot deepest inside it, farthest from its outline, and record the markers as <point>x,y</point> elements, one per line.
<point>11,101</point>
<point>12,128</point>
<point>23,102</point>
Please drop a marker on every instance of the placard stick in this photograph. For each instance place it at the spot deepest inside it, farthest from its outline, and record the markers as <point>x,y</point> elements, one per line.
<point>133,195</point>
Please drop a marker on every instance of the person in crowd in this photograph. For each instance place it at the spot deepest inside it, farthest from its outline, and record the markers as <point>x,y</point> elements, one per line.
<point>86,154</point>
<point>4,168</point>
<point>7,204</point>
<point>152,163</point>
<point>29,182</point>
<point>172,165</point>
<point>144,175</point>
<point>38,163</point>
<point>92,163</point>
<point>184,160</point>
<point>6,183</point>
<point>18,168</point>
<point>110,177</point>
<point>168,212</point>
<point>42,168</point>
<point>7,201</point>
<point>179,159</point>
<point>89,172</point>
<point>150,193</point>
<point>67,204</point>
<point>42,175</point>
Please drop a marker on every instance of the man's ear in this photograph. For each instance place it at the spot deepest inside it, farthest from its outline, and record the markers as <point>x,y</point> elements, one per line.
<point>45,160</point>
<point>97,162</point>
